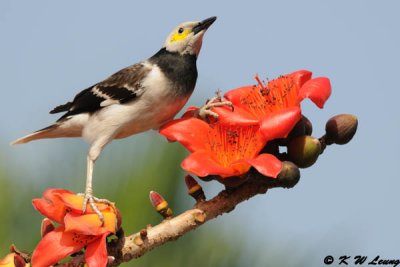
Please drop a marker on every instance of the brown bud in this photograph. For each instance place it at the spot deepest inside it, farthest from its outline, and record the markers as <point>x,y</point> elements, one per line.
<point>160,204</point>
<point>46,227</point>
<point>19,261</point>
<point>298,130</point>
<point>194,188</point>
<point>307,126</point>
<point>143,233</point>
<point>302,127</point>
<point>340,129</point>
<point>289,175</point>
<point>20,257</point>
<point>304,151</point>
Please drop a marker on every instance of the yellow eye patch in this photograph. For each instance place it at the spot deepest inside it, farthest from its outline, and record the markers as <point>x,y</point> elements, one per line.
<point>180,36</point>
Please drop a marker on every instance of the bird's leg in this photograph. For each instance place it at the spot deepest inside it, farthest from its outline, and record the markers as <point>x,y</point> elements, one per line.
<point>215,101</point>
<point>88,197</point>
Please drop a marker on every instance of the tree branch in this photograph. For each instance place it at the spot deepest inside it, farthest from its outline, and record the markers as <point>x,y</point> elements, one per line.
<point>126,248</point>
<point>136,245</point>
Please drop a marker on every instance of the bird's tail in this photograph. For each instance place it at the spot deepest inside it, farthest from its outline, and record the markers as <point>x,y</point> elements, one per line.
<point>52,131</point>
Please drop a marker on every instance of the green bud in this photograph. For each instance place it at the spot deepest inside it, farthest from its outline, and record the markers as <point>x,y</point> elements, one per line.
<point>289,175</point>
<point>340,129</point>
<point>304,151</point>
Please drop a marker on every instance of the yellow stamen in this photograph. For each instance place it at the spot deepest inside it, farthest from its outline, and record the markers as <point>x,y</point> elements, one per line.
<point>277,95</point>
<point>231,143</point>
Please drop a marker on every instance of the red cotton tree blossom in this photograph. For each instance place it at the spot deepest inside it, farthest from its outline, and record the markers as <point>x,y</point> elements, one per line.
<point>76,230</point>
<point>261,113</point>
<point>222,148</point>
<point>279,100</point>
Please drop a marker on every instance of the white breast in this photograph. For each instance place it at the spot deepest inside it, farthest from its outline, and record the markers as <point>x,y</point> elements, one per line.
<point>156,105</point>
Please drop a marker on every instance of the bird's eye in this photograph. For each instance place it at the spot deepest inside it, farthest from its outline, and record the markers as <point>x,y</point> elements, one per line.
<point>180,30</point>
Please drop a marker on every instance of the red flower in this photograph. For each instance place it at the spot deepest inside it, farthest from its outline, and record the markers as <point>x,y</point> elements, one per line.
<point>76,230</point>
<point>226,148</point>
<point>261,113</point>
<point>279,101</point>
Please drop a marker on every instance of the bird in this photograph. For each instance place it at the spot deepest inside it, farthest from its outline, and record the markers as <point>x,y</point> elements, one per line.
<point>135,99</point>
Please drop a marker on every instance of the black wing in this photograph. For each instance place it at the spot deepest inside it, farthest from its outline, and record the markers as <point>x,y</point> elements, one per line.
<point>119,88</point>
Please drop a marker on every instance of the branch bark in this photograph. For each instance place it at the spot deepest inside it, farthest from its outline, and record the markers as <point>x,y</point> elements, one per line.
<point>138,244</point>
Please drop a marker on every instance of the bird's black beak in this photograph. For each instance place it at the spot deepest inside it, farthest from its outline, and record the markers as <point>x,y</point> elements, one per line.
<point>203,25</point>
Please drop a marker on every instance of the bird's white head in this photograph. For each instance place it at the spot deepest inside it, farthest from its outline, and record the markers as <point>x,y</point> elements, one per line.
<point>187,38</point>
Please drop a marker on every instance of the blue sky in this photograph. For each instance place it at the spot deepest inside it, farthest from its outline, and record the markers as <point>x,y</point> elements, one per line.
<point>347,203</point>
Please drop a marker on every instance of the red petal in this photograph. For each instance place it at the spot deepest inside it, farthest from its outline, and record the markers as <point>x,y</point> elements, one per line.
<point>267,164</point>
<point>51,192</point>
<point>50,205</point>
<point>279,124</point>
<point>74,202</point>
<point>202,164</point>
<point>189,132</point>
<point>238,115</point>
<point>318,90</point>
<point>55,246</point>
<point>240,167</point>
<point>48,209</point>
<point>90,224</point>
<point>300,77</point>
<point>96,252</point>
<point>190,112</point>
<point>236,95</point>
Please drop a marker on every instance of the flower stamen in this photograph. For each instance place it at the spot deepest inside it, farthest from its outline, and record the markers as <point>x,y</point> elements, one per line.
<point>231,143</point>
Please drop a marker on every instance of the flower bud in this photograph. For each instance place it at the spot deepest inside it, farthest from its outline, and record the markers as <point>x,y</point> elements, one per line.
<point>304,151</point>
<point>194,189</point>
<point>298,130</point>
<point>340,129</point>
<point>19,261</point>
<point>302,127</point>
<point>289,175</point>
<point>160,204</point>
<point>19,258</point>
<point>46,227</point>
<point>307,125</point>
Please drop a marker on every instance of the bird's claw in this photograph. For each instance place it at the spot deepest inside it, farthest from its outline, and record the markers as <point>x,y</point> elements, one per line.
<point>216,101</point>
<point>88,198</point>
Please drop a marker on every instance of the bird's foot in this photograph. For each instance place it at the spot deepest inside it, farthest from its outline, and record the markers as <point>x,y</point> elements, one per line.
<point>216,101</point>
<point>88,198</point>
